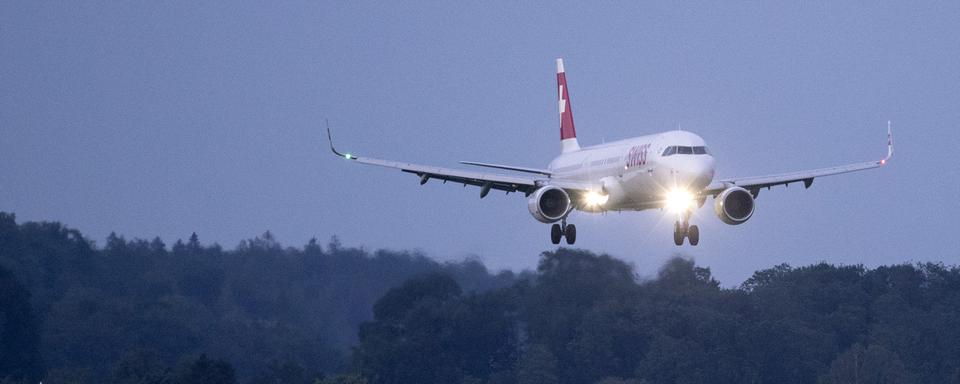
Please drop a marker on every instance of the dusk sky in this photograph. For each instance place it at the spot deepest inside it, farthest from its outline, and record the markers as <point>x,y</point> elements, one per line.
<point>165,118</point>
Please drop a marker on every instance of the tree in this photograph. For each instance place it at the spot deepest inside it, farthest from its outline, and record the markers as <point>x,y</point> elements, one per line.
<point>617,380</point>
<point>194,243</point>
<point>250,306</point>
<point>19,334</point>
<point>873,364</point>
<point>679,273</point>
<point>405,342</point>
<point>672,360</point>
<point>610,340</point>
<point>426,332</point>
<point>537,366</point>
<point>342,379</point>
<point>207,371</point>
<point>69,375</point>
<point>141,367</point>
<point>283,373</point>
<point>572,285</point>
<point>397,303</point>
<point>580,318</point>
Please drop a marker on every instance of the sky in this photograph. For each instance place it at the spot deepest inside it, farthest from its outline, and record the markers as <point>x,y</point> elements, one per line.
<point>165,118</point>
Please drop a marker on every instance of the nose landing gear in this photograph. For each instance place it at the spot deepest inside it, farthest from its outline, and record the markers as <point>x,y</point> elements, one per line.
<point>683,229</point>
<point>563,230</point>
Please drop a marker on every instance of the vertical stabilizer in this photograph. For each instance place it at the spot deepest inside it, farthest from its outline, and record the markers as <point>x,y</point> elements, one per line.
<point>568,135</point>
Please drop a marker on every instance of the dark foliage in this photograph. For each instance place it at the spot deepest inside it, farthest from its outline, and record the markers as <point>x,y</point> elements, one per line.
<point>207,371</point>
<point>19,334</point>
<point>427,331</point>
<point>588,319</point>
<point>141,367</point>
<point>135,311</point>
<point>130,311</point>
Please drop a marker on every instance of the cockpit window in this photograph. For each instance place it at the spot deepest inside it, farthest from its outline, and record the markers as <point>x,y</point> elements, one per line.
<point>682,150</point>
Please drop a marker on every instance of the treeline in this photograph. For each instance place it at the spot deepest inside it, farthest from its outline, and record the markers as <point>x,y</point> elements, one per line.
<point>267,311</point>
<point>136,312</point>
<point>587,319</point>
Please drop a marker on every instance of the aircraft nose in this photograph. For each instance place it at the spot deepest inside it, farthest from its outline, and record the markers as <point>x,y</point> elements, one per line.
<point>696,173</point>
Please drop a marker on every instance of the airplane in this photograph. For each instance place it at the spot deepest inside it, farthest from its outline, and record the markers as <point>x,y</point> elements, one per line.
<point>671,170</point>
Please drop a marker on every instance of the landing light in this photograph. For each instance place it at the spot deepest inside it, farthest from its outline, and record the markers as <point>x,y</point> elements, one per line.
<point>348,156</point>
<point>679,200</point>
<point>596,199</point>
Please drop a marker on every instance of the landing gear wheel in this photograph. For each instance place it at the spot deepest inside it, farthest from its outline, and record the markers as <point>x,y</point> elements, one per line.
<point>571,234</point>
<point>677,235</point>
<point>693,234</point>
<point>556,233</point>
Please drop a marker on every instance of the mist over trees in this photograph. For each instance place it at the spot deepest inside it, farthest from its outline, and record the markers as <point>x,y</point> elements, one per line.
<point>140,311</point>
<point>586,318</point>
<point>142,306</point>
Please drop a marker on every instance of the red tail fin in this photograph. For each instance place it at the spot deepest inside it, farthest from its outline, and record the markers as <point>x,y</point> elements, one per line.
<point>568,134</point>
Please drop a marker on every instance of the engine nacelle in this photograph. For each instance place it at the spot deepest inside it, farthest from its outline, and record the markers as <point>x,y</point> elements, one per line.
<point>734,205</point>
<point>548,204</point>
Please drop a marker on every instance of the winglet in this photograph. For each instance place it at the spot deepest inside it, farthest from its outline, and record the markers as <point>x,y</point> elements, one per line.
<point>889,144</point>
<point>330,140</point>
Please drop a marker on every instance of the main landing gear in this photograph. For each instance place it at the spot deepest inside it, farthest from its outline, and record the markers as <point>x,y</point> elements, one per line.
<point>682,228</point>
<point>563,230</point>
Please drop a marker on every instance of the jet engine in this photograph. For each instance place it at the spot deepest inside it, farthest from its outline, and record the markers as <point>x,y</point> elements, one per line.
<point>734,205</point>
<point>548,204</point>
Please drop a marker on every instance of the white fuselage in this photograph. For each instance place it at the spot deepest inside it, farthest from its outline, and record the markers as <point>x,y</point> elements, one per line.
<point>636,173</point>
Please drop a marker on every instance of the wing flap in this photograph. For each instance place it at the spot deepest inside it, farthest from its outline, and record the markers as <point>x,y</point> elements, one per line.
<point>509,168</point>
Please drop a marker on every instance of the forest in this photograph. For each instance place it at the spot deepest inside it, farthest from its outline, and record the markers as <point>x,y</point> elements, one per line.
<point>143,311</point>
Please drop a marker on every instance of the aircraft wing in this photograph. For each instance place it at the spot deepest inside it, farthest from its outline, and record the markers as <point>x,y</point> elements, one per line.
<point>480,179</point>
<point>755,183</point>
<point>509,168</point>
<point>486,181</point>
